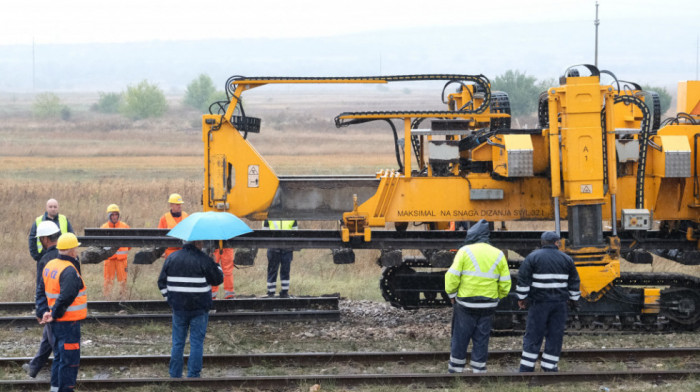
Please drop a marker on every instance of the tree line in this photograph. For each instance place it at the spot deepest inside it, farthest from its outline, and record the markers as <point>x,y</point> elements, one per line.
<point>145,99</point>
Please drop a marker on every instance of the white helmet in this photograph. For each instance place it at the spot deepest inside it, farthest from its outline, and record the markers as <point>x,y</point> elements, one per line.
<point>46,228</point>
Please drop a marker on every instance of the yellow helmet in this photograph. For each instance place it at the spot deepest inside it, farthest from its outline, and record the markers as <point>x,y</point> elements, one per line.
<point>175,198</point>
<point>67,241</point>
<point>112,208</point>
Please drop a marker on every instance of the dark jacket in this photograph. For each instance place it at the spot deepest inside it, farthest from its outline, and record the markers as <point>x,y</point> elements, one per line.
<point>187,277</point>
<point>549,275</point>
<point>48,255</point>
<point>32,235</point>
<point>71,284</point>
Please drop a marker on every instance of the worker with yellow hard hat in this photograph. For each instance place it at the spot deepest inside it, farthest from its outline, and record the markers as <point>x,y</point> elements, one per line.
<point>172,218</point>
<point>63,304</point>
<point>116,265</point>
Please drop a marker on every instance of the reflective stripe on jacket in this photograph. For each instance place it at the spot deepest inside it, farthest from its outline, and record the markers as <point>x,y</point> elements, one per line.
<point>62,224</point>
<point>187,277</point>
<point>282,224</point>
<point>479,276</point>
<point>548,274</point>
<point>123,252</point>
<point>77,310</point>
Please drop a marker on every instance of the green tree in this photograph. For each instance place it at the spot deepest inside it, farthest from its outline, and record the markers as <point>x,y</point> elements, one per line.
<point>143,101</point>
<point>201,93</point>
<point>48,105</point>
<point>108,103</point>
<point>522,91</point>
<point>664,96</point>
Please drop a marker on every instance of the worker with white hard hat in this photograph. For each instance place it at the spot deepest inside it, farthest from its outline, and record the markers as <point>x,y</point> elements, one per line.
<point>47,234</point>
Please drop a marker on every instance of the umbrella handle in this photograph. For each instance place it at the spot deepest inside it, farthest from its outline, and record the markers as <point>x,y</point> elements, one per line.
<point>221,247</point>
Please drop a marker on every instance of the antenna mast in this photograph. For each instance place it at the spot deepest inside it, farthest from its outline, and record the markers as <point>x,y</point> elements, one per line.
<point>596,23</point>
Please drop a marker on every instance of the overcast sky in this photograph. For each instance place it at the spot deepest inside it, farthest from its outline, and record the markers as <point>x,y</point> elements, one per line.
<point>91,21</point>
<point>171,42</point>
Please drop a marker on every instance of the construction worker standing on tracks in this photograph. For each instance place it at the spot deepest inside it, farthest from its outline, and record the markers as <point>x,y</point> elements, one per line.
<point>547,279</point>
<point>115,266</point>
<point>172,218</point>
<point>47,232</point>
<point>185,281</point>
<point>224,257</point>
<point>51,214</point>
<point>475,282</point>
<point>279,259</point>
<point>63,305</point>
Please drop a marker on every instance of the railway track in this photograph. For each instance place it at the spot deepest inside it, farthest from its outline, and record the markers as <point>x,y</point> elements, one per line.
<point>428,379</point>
<point>228,305</point>
<point>349,380</point>
<point>309,359</point>
<point>237,310</point>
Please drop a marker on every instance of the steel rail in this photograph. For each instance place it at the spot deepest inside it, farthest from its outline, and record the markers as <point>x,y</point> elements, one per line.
<point>331,239</point>
<point>323,358</point>
<point>428,379</point>
<point>303,315</point>
<point>228,305</point>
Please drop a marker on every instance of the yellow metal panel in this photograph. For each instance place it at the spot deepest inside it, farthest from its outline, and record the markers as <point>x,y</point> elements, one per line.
<point>582,168</point>
<point>581,95</point>
<point>668,144</point>
<point>444,199</point>
<point>596,278</point>
<point>540,161</point>
<point>651,300</point>
<point>482,153</point>
<point>514,145</point>
<point>218,177</point>
<point>689,97</point>
<point>253,182</point>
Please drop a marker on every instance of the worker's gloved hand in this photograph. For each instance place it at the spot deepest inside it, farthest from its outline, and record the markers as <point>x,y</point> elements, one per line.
<point>574,306</point>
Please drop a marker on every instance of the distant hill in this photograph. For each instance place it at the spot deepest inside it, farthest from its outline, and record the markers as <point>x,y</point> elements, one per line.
<point>542,50</point>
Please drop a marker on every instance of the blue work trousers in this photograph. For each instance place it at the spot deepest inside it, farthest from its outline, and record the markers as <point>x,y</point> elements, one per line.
<point>278,260</point>
<point>544,320</point>
<point>468,325</point>
<point>196,322</point>
<point>66,355</point>
<point>44,352</point>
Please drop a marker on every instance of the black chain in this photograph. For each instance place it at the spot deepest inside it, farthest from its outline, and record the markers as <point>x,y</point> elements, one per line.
<point>644,142</point>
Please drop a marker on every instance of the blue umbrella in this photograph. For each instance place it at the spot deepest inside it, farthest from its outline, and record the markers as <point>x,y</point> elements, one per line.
<point>202,226</point>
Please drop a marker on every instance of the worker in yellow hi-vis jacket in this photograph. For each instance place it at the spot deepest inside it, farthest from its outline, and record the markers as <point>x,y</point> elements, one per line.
<point>477,279</point>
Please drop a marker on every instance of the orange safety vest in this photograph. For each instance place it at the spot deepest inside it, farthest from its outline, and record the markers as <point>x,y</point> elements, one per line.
<point>168,222</point>
<point>123,252</point>
<point>52,286</point>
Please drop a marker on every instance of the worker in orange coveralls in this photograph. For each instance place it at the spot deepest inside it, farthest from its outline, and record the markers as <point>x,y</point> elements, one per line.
<point>115,266</point>
<point>172,218</point>
<point>224,257</point>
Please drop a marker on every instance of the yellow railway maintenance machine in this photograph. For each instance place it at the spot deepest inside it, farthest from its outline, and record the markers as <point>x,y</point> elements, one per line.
<point>600,159</point>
